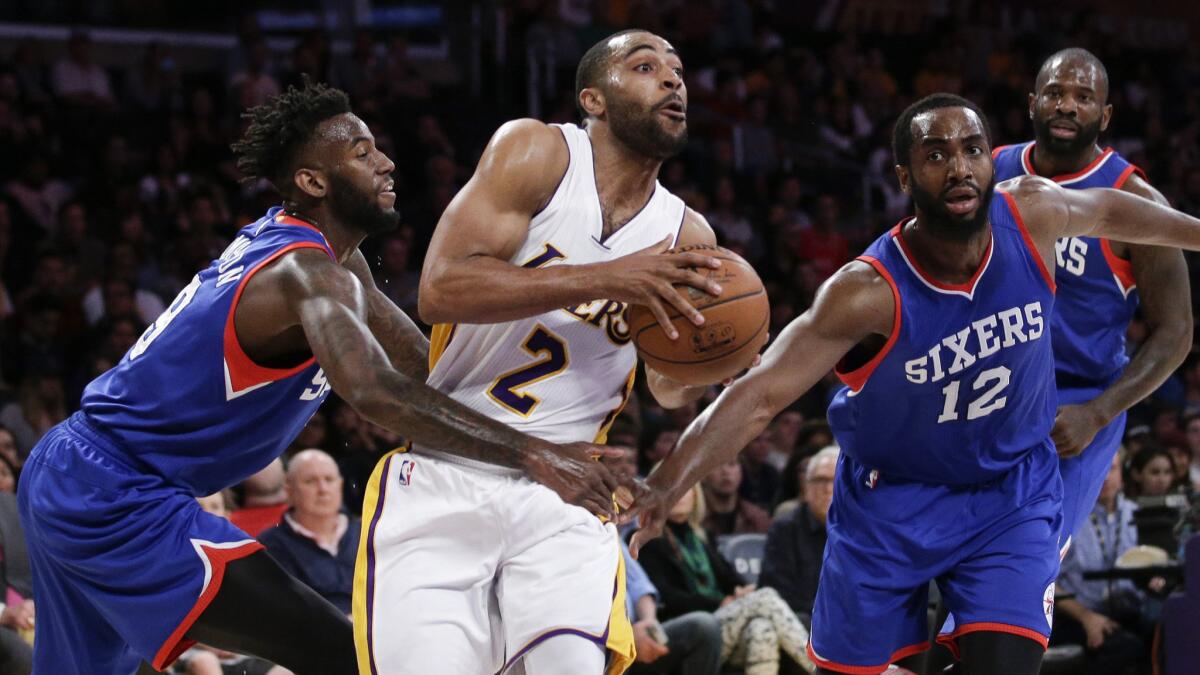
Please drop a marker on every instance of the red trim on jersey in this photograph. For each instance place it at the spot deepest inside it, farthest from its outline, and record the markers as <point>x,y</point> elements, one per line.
<point>968,287</point>
<point>1129,171</point>
<point>1012,206</point>
<point>901,653</point>
<point>996,151</point>
<point>1122,269</point>
<point>218,558</point>
<point>243,371</point>
<point>1027,162</point>
<point>857,378</point>
<point>949,640</point>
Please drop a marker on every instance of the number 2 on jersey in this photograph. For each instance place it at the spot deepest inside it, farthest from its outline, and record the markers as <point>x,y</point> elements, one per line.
<point>551,354</point>
<point>987,402</point>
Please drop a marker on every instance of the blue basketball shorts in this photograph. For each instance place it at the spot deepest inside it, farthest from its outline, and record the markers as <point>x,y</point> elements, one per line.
<point>1083,475</point>
<point>123,562</point>
<point>992,548</point>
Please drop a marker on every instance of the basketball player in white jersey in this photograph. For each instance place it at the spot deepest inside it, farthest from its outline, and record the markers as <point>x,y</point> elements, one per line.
<point>465,570</point>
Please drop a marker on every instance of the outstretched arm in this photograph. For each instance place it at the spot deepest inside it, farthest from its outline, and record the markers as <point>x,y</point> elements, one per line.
<point>1051,212</point>
<point>854,304</point>
<point>331,306</point>
<point>468,276</point>
<point>406,346</point>
<point>1162,281</point>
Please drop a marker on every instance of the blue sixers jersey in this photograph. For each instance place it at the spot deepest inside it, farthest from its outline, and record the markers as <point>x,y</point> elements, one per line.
<point>1096,297</point>
<point>964,387</point>
<point>186,402</point>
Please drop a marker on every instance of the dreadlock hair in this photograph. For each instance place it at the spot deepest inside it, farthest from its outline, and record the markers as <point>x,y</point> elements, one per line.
<point>902,138</point>
<point>280,128</point>
<point>594,64</point>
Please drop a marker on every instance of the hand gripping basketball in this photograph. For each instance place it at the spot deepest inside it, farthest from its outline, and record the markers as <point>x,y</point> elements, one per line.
<point>725,342</point>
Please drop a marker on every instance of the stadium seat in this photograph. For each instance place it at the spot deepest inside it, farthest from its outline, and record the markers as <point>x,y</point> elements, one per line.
<point>744,552</point>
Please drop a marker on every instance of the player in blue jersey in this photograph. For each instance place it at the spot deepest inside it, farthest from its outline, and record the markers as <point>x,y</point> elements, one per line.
<point>1099,281</point>
<point>127,567</point>
<point>941,333</point>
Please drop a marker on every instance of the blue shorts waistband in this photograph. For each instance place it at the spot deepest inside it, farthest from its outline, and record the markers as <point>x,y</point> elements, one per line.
<point>105,443</point>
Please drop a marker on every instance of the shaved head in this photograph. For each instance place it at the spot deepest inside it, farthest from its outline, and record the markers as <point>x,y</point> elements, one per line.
<point>1075,60</point>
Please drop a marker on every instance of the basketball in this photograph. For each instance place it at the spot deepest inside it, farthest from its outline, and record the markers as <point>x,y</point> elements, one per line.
<point>735,324</point>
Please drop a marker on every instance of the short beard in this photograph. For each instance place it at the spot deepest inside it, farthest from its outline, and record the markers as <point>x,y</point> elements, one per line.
<point>1065,147</point>
<point>946,225</point>
<point>640,130</point>
<point>359,210</point>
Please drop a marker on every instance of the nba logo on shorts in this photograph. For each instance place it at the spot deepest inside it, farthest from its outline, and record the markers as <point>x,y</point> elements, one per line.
<point>1048,604</point>
<point>404,476</point>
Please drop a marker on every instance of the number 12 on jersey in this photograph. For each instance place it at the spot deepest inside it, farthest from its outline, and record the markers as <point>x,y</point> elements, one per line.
<point>552,358</point>
<point>986,403</point>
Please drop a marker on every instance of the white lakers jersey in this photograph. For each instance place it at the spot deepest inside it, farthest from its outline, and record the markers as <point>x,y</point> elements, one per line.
<point>564,375</point>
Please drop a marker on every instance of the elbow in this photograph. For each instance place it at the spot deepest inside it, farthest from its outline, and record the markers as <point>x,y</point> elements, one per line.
<point>1182,342</point>
<point>431,304</point>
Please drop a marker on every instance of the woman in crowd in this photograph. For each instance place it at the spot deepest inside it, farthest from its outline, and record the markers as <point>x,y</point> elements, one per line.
<point>690,575</point>
<point>1153,473</point>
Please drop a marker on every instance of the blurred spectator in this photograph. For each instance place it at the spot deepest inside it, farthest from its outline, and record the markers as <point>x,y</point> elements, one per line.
<point>17,611</point>
<point>40,405</point>
<point>1153,473</point>
<point>1105,616</point>
<point>760,478</point>
<point>80,81</point>
<point>693,641</point>
<point>8,476</point>
<point>38,194</point>
<point>9,449</point>
<point>253,85</point>
<point>727,511</point>
<point>316,542</point>
<point>75,240</point>
<point>395,274</point>
<point>661,444</point>
<point>796,541</point>
<point>263,498</point>
<point>692,576</point>
<point>822,244</point>
<point>785,430</point>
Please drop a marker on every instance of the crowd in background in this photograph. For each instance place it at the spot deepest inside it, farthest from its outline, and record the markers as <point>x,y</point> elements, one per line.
<point>117,185</point>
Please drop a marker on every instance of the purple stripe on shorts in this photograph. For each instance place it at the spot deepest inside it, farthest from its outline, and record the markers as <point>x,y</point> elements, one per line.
<point>387,463</point>
<point>546,636</point>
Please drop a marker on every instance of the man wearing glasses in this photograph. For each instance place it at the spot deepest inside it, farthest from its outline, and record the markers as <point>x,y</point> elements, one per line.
<point>796,540</point>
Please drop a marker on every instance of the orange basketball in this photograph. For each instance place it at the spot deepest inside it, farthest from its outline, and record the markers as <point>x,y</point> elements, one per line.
<point>735,324</point>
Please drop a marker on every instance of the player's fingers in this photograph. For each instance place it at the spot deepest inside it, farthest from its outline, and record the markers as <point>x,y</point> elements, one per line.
<point>660,315</point>
<point>605,451</point>
<point>685,308</point>
<point>691,259</point>
<point>697,281</point>
<point>608,480</point>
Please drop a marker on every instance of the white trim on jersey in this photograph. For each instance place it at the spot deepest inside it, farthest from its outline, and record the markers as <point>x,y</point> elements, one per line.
<point>970,295</point>
<point>230,394</point>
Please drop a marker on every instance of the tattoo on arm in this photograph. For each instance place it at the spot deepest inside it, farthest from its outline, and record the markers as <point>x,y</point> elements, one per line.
<point>406,346</point>
<point>332,310</point>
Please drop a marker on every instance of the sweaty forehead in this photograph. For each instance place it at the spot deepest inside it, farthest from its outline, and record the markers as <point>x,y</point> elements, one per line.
<point>946,123</point>
<point>1067,71</point>
<point>342,128</point>
<point>623,45</point>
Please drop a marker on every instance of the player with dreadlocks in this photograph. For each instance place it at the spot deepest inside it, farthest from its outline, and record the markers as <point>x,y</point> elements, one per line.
<point>127,567</point>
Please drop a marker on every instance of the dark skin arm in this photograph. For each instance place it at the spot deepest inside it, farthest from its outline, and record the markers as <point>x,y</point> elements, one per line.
<point>853,305</point>
<point>1165,293</point>
<point>467,277</point>
<point>308,292</point>
<point>405,344</point>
